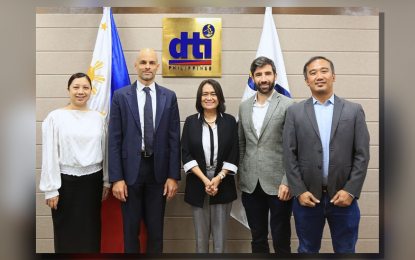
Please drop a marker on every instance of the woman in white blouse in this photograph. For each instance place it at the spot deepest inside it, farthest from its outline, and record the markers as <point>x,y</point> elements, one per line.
<point>74,173</point>
<point>210,153</point>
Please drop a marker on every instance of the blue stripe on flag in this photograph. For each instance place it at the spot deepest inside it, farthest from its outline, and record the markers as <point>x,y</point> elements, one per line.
<point>282,90</point>
<point>119,72</point>
<point>251,84</point>
<point>277,87</point>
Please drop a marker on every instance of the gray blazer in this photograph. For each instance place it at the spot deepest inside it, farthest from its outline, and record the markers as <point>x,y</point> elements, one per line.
<point>262,158</point>
<point>349,149</point>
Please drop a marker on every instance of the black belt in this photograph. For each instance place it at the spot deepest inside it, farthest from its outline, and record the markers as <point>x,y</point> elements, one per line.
<point>324,188</point>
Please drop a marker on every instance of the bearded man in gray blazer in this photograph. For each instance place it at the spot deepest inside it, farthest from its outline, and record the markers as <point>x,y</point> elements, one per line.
<point>261,173</point>
<point>326,155</point>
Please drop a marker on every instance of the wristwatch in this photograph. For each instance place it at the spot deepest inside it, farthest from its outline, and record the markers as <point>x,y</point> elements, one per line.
<point>222,175</point>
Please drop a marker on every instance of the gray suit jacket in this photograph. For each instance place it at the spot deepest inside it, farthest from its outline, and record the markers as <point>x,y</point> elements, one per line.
<point>262,158</point>
<point>349,149</point>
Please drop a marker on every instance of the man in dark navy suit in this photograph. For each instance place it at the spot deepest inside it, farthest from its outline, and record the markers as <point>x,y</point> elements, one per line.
<point>144,153</point>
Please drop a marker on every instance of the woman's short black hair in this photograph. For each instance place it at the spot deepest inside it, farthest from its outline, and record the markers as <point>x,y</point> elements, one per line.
<point>78,75</point>
<point>219,94</point>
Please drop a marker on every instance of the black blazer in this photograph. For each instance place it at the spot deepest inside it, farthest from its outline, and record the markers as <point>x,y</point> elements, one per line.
<point>228,151</point>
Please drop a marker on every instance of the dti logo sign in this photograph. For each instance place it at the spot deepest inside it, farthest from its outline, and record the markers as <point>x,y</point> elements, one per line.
<point>195,42</point>
<point>194,47</point>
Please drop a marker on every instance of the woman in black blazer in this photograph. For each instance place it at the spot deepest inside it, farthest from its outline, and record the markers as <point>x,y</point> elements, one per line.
<point>210,153</point>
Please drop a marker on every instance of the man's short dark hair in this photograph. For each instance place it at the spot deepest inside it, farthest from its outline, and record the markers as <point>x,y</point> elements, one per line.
<point>219,94</point>
<point>261,62</point>
<point>78,75</point>
<point>313,59</point>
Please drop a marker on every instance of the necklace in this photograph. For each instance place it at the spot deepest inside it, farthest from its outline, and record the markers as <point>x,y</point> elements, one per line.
<point>211,122</point>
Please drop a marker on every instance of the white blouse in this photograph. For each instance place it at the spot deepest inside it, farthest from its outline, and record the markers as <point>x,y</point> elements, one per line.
<point>74,142</point>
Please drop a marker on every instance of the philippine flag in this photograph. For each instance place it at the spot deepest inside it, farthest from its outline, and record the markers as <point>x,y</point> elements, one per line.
<point>108,72</point>
<point>269,46</point>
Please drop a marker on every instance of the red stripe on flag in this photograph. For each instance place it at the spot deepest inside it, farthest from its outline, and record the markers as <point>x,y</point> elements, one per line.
<point>209,62</point>
<point>143,237</point>
<point>112,239</point>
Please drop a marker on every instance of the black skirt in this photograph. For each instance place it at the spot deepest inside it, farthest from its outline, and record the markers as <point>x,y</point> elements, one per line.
<point>77,220</point>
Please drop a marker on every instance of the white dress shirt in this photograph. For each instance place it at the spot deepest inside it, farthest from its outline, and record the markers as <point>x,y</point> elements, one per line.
<point>74,142</point>
<point>259,112</point>
<point>141,100</point>
<point>207,150</point>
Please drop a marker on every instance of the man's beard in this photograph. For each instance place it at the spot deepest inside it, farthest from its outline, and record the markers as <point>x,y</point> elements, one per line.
<point>271,86</point>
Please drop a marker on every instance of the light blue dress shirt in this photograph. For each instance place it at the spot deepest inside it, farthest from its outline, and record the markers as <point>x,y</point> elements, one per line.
<point>324,116</point>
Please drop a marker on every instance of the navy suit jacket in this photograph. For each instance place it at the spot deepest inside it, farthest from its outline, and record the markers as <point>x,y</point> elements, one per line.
<point>125,136</point>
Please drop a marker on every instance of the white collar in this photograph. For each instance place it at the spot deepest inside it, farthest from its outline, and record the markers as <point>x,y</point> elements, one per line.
<point>268,99</point>
<point>140,86</point>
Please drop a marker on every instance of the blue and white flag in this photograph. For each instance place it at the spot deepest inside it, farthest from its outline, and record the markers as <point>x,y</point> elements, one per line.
<point>108,71</point>
<point>269,46</point>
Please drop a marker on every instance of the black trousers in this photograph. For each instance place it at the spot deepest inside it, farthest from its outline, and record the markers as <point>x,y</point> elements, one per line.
<point>257,205</point>
<point>77,220</point>
<point>145,200</point>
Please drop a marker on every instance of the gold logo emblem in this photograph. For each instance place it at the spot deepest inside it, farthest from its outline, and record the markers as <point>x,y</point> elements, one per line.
<point>192,47</point>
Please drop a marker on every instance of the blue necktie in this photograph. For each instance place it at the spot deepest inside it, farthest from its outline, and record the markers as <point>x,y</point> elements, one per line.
<point>148,123</point>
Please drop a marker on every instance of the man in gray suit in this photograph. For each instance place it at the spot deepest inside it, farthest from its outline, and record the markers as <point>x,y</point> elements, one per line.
<point>261,173</point>
<point>326,154</point>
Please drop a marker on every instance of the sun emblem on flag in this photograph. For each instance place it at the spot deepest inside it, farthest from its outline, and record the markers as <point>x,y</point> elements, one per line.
<point>95,78</point>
